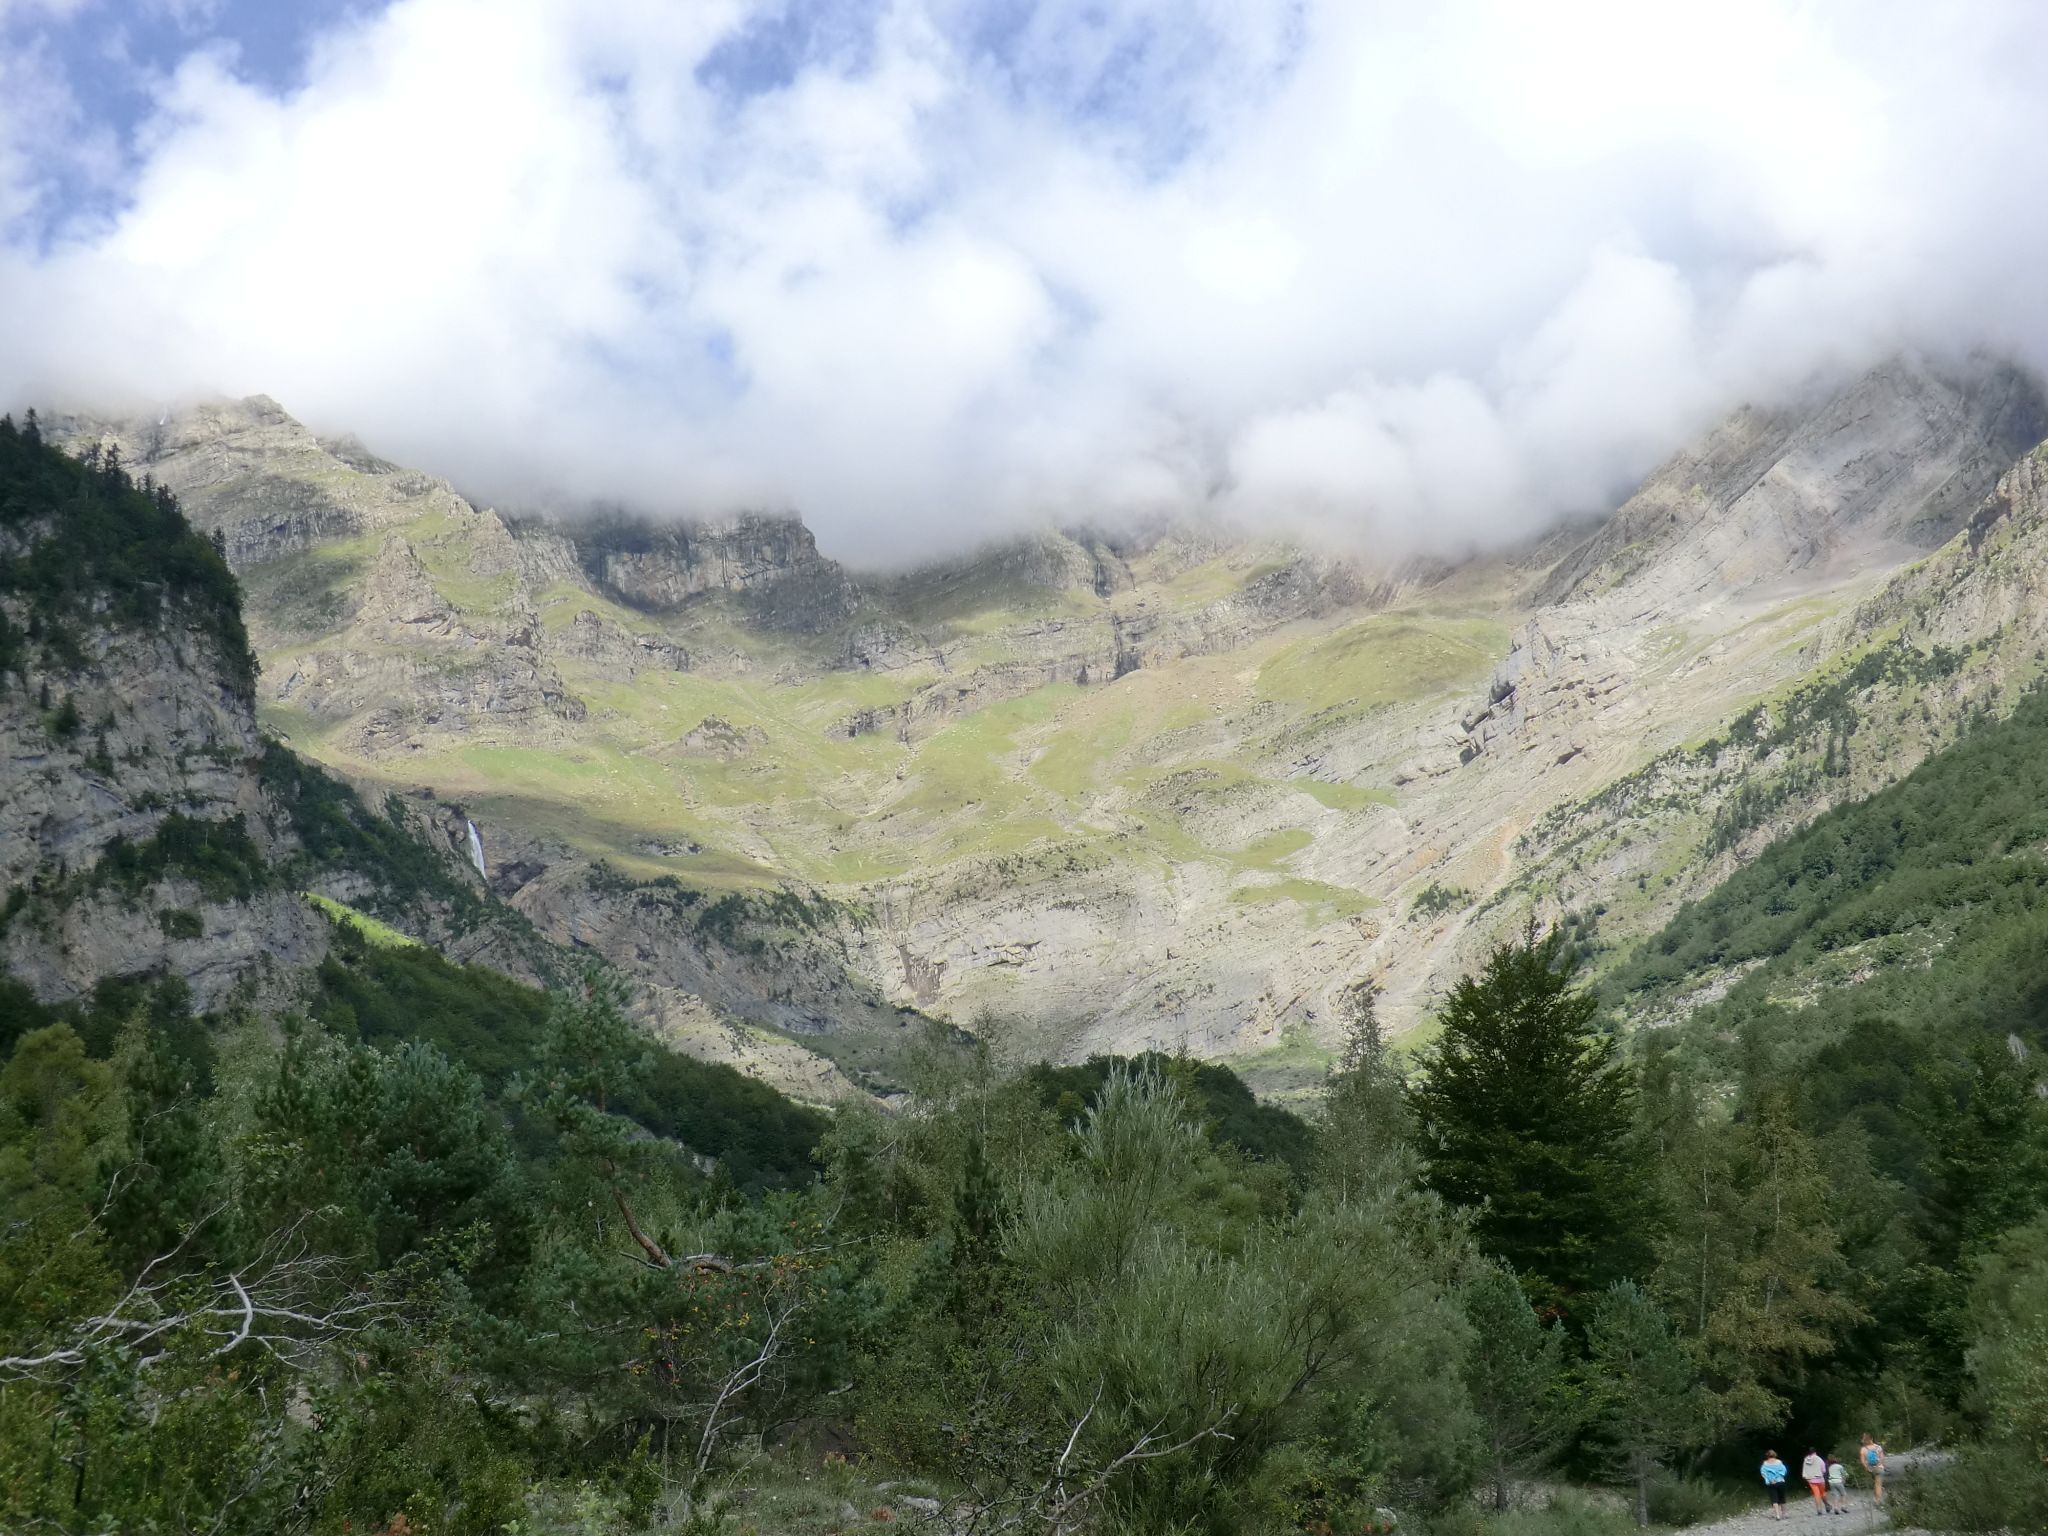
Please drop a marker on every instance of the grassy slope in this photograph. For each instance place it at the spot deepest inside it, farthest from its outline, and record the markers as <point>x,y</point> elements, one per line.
<point>806,799</point>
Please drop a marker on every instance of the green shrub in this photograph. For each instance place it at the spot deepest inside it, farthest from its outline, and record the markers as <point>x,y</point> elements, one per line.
<point>1682,1501</point>
<point>63,721</point>
<point>180,923</point>
<point>1434,899</point>
<point>219,856</point>
<point>1983,1489</point>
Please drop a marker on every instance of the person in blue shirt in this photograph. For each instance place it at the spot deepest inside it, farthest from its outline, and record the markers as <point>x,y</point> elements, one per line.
<point>1774,1483</point>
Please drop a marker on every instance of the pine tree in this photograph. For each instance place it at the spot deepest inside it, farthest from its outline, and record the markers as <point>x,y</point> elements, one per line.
<point>1514,1373</point>
<point>1640,1395</point>
<point>1365,1133</point>
<point>168,1175</point>
<point>1525,1116</point>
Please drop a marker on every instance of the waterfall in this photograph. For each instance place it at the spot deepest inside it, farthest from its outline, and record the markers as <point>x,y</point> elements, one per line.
<point>476,848</point>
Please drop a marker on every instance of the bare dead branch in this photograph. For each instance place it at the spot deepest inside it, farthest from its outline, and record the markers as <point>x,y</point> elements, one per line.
<point>1058,1509</point>
<point>287,1302</point>
<point>718,1420</point>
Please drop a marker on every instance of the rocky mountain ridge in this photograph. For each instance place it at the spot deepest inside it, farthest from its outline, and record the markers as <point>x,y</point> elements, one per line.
<point>1160,791</point>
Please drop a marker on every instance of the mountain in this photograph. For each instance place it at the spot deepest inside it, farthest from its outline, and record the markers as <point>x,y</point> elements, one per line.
<point>161,859</point>
<point>1917,659</point>
<point>1122,791</point>
<point>150,829</point>
<point>1879,906</point>
<point>1881,471</point>
<point>250,1098</point>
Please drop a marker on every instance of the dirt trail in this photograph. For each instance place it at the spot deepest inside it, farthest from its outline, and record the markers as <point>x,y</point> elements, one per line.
<point>1863,1519</point>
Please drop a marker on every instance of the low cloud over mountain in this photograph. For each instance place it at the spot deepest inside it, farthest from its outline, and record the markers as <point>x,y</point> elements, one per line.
<point>1417,278</point>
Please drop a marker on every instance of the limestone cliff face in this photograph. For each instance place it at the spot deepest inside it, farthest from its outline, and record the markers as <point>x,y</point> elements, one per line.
<point>772,562</point>
<point>1774,507</point>
<point>411,663</point>
<point>158,732</point>
<point>1892,678</point>
<point>1111,625</point>
<point>161,739</point>
<point>1888,467</point>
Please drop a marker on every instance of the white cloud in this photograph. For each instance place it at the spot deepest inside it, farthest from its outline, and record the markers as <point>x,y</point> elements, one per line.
<point>1416,278</point>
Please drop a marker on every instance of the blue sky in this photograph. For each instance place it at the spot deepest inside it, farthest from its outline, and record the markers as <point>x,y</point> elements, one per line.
<point>1401,277</point>
<point>108,59</point>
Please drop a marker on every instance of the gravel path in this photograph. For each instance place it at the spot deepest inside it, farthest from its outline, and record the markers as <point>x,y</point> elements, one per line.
<point>1863,1519</point>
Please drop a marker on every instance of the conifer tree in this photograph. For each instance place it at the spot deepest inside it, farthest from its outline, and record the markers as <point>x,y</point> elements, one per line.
<point>1515,1375</point>
<point>1640,1394</point>
<point>1750,1263</point>
<point>1365,1138</point>
<point>1525,1116</point>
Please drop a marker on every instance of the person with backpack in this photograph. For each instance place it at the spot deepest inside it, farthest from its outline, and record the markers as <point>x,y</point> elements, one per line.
<point>1815,1470</point>
<point>1774,1483</point>
<point>1873,1463</point>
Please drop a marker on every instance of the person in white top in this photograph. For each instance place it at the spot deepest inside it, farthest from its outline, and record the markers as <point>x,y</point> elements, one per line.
<point>1838,1487</point>
<point>1815,1470</point>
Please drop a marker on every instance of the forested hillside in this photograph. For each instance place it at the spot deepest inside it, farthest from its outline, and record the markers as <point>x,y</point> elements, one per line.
<point>1924,895</point>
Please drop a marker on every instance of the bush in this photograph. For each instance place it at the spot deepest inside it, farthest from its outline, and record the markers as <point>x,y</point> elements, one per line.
<point>180,923</point>
<point>63,721</point>
<point>1684,1501</point>
<point>1435,899</point>
<point>1981,1490</point>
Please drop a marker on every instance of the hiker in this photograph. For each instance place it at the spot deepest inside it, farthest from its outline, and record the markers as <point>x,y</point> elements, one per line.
<point>1838,1486</point>
<point>1873,1463</point>
<point>1774,1483</point>
<point>1815,1470</point>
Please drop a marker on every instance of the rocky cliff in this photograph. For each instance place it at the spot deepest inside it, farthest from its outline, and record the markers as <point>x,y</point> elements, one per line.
<point>1871,475</point>
<point>148,829</point>
<point>1134,790</point>
<point>131,813</point>
<point>771,562</point>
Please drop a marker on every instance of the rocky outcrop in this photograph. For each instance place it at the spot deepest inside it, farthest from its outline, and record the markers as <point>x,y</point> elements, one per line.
<point>412,664</point>
<point>157,733</point>
<point>1555,672</point>
<point>597,642</point>
<point>254,949</point>
<point>713,737</point>
<point>721,970</point>
<point>771,562</point>
<point>142,736</point>
<point>269,487</point>
<point>1886,468</point>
